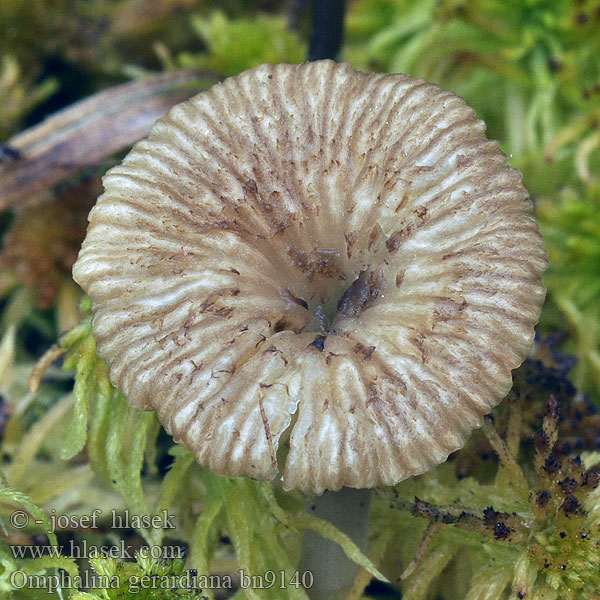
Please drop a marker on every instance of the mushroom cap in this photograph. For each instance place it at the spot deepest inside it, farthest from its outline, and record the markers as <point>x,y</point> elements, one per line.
<point>313,252</point>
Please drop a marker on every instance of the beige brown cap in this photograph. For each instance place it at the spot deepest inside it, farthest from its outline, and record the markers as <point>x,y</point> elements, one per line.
<point>313,252</point>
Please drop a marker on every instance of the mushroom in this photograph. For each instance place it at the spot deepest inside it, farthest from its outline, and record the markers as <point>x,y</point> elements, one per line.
<point>313,252</point>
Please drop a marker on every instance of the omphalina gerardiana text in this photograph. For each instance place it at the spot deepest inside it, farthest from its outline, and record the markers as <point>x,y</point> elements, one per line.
<point>313,257</point>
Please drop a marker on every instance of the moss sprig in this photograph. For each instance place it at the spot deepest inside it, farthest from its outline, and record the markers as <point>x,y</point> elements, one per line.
<point>234,45</point>
<point>529,531</point>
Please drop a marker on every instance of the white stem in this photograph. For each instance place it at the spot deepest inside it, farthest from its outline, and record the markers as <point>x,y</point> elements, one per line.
<point>333,571</point>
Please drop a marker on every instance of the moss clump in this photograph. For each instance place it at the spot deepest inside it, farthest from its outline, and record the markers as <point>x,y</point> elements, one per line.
<point>526,525</point>
<point>234,45</point>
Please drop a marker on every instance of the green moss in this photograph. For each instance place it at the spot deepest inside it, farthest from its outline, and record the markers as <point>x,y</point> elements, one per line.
<point>144,579</point>
<point>531,530</point>
<point>234,45</point>
<point>570,223</point>
<point>19,94</point>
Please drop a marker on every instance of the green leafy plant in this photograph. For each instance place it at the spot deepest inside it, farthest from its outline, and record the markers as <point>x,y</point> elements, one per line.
<point>146,578</point>
<point>234,45</point>
<point>571,227</point>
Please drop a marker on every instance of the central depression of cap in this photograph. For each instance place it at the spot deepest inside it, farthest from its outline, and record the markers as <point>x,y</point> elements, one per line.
<point>310,253</point>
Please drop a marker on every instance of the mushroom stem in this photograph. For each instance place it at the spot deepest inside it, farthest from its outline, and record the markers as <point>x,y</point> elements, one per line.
<point>333,571</point>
